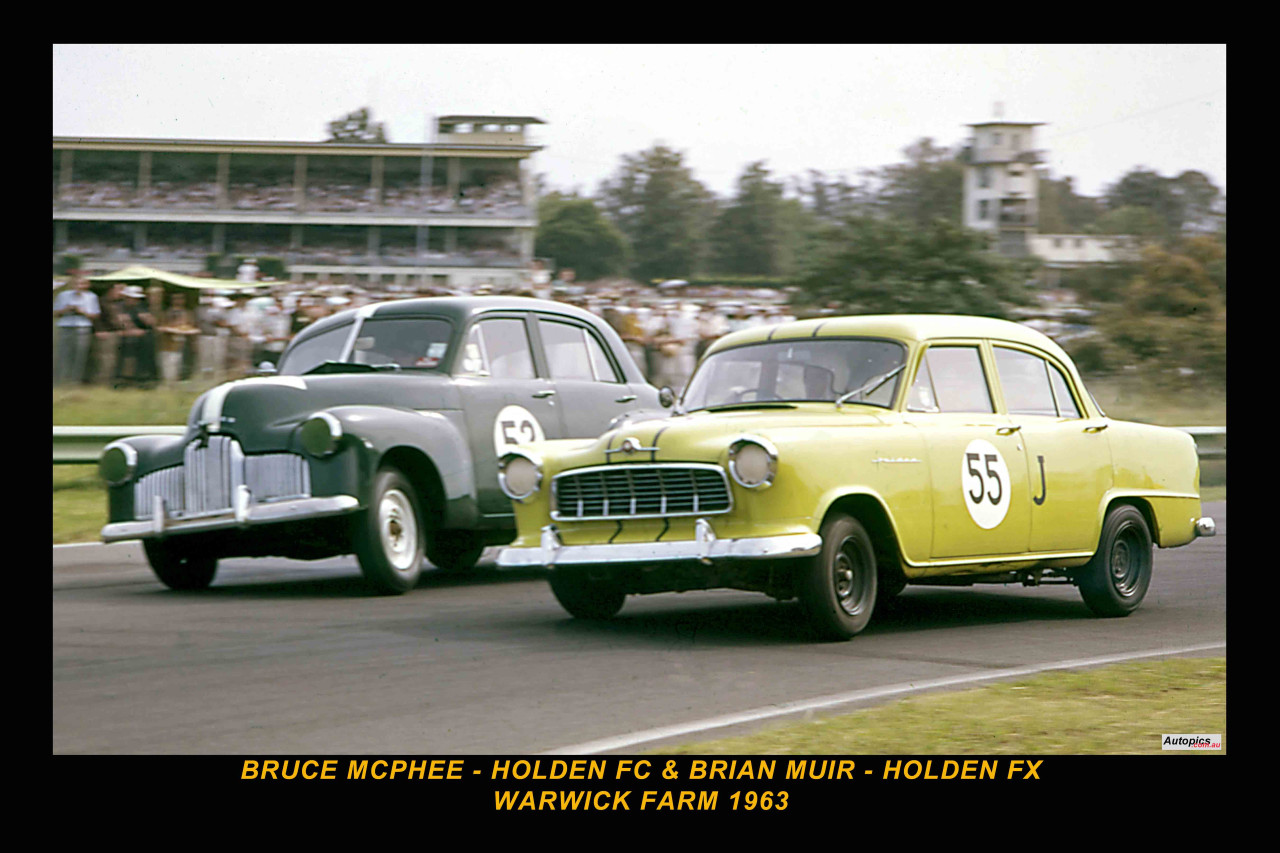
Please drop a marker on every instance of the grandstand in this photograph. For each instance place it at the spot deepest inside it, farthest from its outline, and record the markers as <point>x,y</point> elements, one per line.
<point>455,213</point>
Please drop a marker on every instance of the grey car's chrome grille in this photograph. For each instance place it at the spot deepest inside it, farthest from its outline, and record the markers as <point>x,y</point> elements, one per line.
<point>640,491</point>
<point>207,480</point>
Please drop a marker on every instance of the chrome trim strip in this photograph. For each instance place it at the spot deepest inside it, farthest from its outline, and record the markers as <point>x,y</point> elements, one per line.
<point>243,515</point>
<point>705,548</point>
<point>646,466</point>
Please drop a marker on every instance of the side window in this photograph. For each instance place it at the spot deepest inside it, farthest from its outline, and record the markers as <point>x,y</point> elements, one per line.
<point>574,353</point>
<point>1062,393</point>
<point>950,379</point>
<point>1025,380</point>
<point>497,348</point>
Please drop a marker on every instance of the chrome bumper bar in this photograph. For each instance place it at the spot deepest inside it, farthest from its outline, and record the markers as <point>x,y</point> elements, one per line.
<point>704,547</point>
<point>1205,527</point>
<point>244,513</point>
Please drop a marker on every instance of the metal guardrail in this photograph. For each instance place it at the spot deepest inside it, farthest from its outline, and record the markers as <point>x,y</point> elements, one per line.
<point>82,445</point>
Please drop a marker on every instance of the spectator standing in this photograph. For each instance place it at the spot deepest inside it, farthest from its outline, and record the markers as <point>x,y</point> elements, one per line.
<point>179,325</point>
<point>211,346</point>
<point>712,325</point>
<point>248,270</point>
<point>276,326</point>
<point>137,365</point>
<point>76,309</point>
<point>240,345</point>
<point>106,335</point>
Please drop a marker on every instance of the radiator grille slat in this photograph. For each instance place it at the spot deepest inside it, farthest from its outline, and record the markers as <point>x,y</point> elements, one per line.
<point>640,491</point>
<point>207,480</point>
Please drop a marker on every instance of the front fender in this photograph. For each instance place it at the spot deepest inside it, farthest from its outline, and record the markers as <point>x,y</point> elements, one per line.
<point>154,452</point>
<point>372,433</point>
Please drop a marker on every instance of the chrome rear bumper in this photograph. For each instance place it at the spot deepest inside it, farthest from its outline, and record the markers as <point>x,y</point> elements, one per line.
<point>245,513</point>
<point>1205,527</point>
<point>704,548</point>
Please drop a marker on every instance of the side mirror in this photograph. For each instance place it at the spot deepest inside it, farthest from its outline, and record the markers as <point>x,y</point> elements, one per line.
<point>666,397</point>
<point>266,368</point>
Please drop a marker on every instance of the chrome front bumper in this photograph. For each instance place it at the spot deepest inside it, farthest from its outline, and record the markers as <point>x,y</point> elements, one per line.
<point>704,548</point>
<point>1205,527</point>
<point>244,513</point>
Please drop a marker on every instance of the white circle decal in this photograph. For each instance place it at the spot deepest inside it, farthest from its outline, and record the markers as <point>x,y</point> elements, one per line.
<point>515,425</point>
<point>985,481</point>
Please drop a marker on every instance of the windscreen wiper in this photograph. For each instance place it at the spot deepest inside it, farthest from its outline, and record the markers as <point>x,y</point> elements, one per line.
<point>870,385</point>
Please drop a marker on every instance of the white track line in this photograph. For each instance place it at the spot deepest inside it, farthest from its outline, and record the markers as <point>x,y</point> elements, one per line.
<point>786,708</point>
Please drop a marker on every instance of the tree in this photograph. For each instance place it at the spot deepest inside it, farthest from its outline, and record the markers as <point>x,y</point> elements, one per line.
<point>574,232</point>
<point>355,127</point>
<point>748,235</point>
<point>929,185</point>
<point>663,211</point>
<point>1064,212</point>
<point>874,265</point>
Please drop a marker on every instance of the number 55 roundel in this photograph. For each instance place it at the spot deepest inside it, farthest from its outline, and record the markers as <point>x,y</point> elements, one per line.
<point>985,479</point>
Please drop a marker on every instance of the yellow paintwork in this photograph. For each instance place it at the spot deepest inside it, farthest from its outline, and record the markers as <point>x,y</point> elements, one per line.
<point>910,462</point>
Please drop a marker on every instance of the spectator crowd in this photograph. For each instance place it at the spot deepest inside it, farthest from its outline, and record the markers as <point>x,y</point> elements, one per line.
<point>131,336</point>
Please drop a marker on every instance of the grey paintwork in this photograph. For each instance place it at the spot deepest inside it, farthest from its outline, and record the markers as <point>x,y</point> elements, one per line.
<point>435,426</point>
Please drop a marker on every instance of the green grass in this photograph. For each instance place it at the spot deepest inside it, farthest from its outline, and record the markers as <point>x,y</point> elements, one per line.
<point>92,406</point>
<point>79,503</point>
<point>1120,709</point>
<point>1130,399</point>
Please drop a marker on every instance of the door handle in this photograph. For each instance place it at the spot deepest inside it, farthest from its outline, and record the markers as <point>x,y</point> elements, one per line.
<point>1008,430</point>
<point>1096,428</point>
<point>627,399</point>
<point>538,395</point>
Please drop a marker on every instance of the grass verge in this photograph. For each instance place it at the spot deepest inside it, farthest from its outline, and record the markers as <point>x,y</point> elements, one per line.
<point>1114,710</point>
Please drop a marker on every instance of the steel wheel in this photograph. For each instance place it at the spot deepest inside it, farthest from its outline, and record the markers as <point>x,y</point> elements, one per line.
<point>388,537</point>
<point>1115,581</point>
<point>837,588</point>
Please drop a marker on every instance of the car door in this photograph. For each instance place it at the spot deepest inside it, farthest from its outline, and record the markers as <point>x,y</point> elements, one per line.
<point>588,383</point>
<point>1068,456</point>
<point>506,401</point>
<point>976,460</point>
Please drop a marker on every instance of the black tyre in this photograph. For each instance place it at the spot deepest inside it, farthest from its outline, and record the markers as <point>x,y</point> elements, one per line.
<point>585,597</point>
<point>1115,581</point>
<point>454,550</point>
<point>178,567</point>
<point>837,588</point>
<point>388,536</point>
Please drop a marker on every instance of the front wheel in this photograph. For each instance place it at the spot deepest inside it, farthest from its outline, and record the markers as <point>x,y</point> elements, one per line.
<point>584,596</point>
<point>1115,581</point>
<point>178,567</point>
<point>388,536</point>
<point>837,588</point>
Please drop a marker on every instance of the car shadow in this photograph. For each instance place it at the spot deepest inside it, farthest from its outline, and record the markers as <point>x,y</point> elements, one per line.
<point>784,623</point>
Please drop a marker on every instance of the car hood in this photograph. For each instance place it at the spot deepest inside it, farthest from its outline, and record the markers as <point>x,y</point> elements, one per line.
<point>705,436</point>
<point>261,411</point>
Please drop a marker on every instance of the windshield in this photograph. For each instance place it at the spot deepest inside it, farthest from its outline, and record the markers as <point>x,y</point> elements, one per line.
<point>798,371</point>
<point>403,342</point>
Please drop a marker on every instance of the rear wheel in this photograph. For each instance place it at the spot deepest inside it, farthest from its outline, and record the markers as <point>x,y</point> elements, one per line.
<point>837,588</point>
<point>583,596</point>
<point>454,550</point>
<point>180,567</point>
<point>1115,581</point>
<point>388,536</point>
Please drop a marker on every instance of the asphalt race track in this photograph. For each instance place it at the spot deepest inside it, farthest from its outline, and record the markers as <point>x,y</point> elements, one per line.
<point>291,657</point>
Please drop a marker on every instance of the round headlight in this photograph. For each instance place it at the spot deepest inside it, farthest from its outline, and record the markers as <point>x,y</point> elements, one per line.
<point>753,462</point>
<point>118,463</point>
<point>320,434</point>
<point>519,475</point>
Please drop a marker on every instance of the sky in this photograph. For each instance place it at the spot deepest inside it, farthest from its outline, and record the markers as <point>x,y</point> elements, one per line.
<point>836,108</point>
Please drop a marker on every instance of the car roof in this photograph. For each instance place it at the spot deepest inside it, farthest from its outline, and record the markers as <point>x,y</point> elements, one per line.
<point>460,308</point>
<point>900,327</point>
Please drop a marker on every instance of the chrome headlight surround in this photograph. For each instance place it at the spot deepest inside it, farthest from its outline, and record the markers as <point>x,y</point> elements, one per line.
<point>519,458</point>
<point>320,434</point>
<point>738,445</point>
<point>118,463</point>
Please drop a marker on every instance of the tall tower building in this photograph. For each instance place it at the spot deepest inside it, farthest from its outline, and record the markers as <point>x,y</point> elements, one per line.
<point>1001,188</point>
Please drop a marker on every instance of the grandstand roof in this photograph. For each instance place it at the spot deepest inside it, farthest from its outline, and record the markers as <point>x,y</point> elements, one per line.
<point>409,149</point>
<point>495,119</point>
